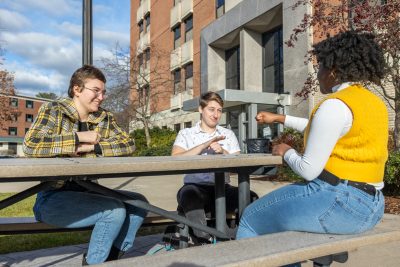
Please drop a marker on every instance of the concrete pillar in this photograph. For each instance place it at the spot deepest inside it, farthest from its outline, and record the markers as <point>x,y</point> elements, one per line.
<point>252,124</point>
<point>251,60</point>
<point>216,71</point>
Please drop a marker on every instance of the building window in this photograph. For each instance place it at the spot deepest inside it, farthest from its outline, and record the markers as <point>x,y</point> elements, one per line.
<point>232,58</point>
<point>140,61</point>
<point>14,102</point>
<point>177,127</point>
<point>177,80</point>
<point>29,104</point>
<point>189,76</point>
<point>140,26</point>
<point>26,130</point>
<point>164,127</point>
<point>147,19</point>
<point>28,117</point>
<point>188,124</point>
<point>14,117</point>
<point>273,61</point>
<point>144,93</point>
<point>147,58</point>
<point>177,36</point>
<point>12,131</point>
<point>189,29</point>
<point>220,8</point>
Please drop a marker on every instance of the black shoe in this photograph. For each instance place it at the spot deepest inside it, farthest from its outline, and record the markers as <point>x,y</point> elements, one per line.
<point>84,262</point>
<point>114,254</point>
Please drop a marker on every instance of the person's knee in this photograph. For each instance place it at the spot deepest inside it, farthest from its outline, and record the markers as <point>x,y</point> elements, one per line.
<point>190,198</point>
<point>114,211</point>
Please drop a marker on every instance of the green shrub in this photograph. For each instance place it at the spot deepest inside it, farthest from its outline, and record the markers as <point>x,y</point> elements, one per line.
<point>294,139</point>
<point>161,142</point>
<point>392,174</point>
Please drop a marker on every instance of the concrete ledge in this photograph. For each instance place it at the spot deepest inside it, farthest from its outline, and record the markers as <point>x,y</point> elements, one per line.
<point>270,250</point>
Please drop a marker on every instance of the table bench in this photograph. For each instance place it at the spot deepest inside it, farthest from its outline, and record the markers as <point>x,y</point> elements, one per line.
<point>50,171</point>
<point>29,225</point>
<point>273,249</point>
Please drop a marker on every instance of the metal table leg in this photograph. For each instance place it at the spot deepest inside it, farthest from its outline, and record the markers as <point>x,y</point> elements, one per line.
<point>244,190</point>
<point>220,205</point>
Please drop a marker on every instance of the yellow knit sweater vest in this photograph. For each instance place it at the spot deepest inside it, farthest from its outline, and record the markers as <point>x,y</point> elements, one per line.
<point>360,155</point>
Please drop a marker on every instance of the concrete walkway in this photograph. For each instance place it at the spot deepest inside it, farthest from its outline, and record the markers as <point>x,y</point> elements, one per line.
<point>161,191</point>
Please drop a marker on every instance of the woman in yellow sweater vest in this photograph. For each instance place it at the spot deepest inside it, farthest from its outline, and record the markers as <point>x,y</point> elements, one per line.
<point>345,149</point>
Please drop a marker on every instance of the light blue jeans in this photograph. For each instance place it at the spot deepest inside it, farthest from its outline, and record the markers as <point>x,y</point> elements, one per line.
<point>115,224</point>
<point>316,207</point>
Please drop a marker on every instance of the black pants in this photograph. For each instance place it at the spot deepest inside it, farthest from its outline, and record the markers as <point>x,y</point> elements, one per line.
<point>195,200</point>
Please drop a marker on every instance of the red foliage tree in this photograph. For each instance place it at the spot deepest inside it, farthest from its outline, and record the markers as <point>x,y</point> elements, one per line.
<point>6,89</point>
<point>377,16</point>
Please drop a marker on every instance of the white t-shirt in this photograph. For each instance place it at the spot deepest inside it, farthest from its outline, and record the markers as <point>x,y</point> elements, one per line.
<point>191,137</point>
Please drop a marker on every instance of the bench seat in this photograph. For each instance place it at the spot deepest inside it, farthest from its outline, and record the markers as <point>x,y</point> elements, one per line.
<point>29,225</point>
<point>269,250</point>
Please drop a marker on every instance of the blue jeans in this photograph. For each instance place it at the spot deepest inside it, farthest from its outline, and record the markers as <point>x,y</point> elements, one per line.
<point>115,224</point>
<point>316,207</point>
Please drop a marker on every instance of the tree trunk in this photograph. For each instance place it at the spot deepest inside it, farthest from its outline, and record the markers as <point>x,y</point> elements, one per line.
<point>147,132</point>
<point>397,121</point>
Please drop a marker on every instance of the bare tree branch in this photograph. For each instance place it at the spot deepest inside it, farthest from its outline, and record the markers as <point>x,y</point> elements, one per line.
<point>138,82</point>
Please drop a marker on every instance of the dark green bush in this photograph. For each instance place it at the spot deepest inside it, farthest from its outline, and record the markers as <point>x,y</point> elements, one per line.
<point>294,139</point>
<point>161,142</point>
<point>392,174</point>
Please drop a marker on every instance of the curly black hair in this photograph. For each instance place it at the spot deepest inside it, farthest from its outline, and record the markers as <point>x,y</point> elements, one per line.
<point>354,56</point>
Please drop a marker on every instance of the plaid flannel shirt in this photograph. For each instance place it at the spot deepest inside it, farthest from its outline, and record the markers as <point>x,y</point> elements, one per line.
<point>53,132</point>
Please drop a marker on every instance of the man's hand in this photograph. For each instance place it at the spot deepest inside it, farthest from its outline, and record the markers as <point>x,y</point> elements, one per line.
<point>269,117</point>
<point>90,137</point>
<point>214,145</point>
<point>217,148</point>
<point>84,148</point>
<point>280,150</point>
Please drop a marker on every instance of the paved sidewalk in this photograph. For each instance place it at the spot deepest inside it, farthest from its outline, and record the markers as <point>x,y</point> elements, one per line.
<point>163,196</point>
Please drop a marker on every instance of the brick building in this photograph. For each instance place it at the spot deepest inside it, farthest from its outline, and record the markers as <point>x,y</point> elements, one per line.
<point>233,47</point>
<point>13,131</point>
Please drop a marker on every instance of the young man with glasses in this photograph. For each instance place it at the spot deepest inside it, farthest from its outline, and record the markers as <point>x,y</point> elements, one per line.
<point>78,127</point>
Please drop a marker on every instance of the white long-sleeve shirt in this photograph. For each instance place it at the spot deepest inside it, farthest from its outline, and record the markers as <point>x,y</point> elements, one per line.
<point>331,121</point>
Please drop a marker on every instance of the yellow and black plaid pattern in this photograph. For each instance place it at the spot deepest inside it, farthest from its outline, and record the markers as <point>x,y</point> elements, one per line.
<point>52,133</point>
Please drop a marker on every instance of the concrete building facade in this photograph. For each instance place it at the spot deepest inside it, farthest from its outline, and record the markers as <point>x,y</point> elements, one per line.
<point>13,131</point>
<point>233,47</point>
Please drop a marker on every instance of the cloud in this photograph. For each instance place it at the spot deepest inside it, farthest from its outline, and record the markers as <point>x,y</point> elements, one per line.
<point>11,21</point>
<point>55,8</point>
<point>70,29</point>
<point>42,39</point>
<point>110,38</point>
<point>44,50</point>
<point>30,81</point>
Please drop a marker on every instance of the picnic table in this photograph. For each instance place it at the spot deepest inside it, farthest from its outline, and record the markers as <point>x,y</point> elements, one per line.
<point>50,171</point>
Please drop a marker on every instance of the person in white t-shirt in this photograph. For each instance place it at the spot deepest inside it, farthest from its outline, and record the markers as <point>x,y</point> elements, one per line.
<point>196,197</point>
<point>345,149</point>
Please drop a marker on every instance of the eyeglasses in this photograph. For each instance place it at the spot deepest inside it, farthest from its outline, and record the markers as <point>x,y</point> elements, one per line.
<point>97,92</point>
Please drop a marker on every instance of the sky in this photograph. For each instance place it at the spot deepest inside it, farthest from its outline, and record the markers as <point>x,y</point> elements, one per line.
<point>42,40</point>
